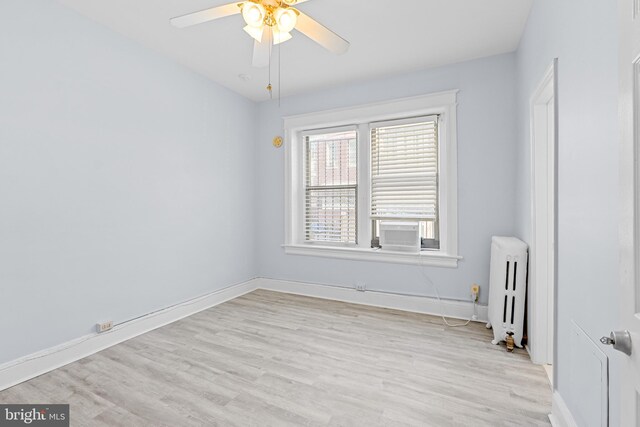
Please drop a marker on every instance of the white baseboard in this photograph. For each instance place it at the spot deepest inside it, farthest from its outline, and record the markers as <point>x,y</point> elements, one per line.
<point>560,415</point>
<point>38,363</point>
<point>35,364</point>
<point>416,304</point>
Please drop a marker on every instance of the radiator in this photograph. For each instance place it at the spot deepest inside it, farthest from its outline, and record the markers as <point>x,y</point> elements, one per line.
<point>507,288</point>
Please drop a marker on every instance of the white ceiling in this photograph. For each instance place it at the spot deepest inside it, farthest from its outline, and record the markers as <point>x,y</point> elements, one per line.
<point>387,37</point>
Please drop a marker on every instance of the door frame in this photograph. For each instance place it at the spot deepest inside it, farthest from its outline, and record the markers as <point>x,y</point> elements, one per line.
<point>541,307</point>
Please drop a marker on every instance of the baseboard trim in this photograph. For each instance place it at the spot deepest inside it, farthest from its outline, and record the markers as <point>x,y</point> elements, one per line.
<point>44,361</point>
<point>415,304</point>
<point>38,363</point>
<point>560,415</point>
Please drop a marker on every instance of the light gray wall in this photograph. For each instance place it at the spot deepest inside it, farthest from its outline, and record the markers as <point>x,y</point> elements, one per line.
<point>583,36</point>
<point>486,171</point>
<point>126,181</point>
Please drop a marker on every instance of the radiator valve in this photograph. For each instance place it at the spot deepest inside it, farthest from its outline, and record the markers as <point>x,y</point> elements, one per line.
<point>510,342</point>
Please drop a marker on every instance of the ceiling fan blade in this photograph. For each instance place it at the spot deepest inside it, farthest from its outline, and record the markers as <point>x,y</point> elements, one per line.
<point>321,34</point>
<point>261,51</point>
<point>205,15</point>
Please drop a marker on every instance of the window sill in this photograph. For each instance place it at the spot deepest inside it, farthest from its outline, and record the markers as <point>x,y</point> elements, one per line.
<point>431,259</point>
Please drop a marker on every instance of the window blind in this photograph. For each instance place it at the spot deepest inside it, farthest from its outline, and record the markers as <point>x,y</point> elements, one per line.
<point>331,183</point>
<point>404,169</point>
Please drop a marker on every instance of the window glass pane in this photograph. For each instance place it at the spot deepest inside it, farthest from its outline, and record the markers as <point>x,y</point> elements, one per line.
<point>331,215</point>
<point>404,171</point>
<point>330,159</point>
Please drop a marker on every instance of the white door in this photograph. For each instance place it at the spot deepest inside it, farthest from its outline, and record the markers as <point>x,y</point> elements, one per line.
<point>629,110</point>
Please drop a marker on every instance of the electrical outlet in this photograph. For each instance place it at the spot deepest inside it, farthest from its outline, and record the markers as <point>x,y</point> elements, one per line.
<point>104,326</point>
<point>475,291</point>
<point>360,286</point>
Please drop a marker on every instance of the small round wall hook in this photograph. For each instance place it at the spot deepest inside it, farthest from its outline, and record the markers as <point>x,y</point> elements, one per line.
<point>277,141</point>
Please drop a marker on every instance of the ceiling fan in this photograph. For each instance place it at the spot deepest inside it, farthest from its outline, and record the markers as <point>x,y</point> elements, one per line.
<point>269,22</point>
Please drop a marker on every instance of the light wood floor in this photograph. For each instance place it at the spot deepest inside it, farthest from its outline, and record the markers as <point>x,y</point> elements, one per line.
<point>270,359</point>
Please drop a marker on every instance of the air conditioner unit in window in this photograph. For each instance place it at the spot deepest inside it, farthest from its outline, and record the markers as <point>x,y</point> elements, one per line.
<point>400,236</point>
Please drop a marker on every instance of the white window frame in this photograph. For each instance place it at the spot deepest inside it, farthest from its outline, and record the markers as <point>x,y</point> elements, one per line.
<point>444,105</point>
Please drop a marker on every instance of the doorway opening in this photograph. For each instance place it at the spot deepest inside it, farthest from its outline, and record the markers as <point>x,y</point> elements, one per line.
<point>542,256</point>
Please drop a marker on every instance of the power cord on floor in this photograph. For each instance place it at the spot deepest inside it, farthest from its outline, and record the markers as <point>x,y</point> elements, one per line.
<point>435,288</point>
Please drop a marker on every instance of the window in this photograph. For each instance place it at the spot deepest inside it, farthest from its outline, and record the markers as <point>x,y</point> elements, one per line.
<point>350,170</point>
<point>331,187</point>
<point>404,176</point>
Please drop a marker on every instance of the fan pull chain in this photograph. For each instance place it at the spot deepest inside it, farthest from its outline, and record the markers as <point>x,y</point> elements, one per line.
<point>269,87</point>
<point>279,74</point>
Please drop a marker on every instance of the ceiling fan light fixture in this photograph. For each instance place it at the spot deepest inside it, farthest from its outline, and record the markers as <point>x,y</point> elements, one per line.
<point>280,36</point>
<point>286,19</point>
<point>253,14</point>
<point>255,32</point>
